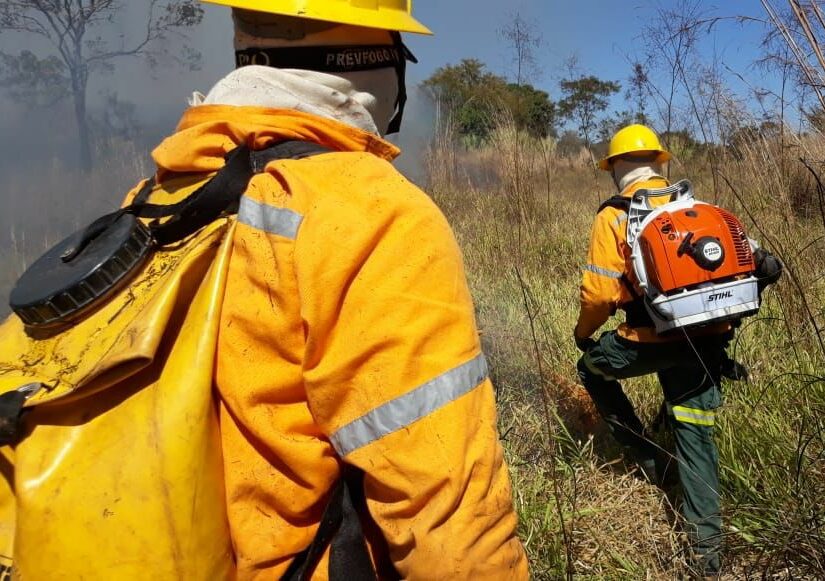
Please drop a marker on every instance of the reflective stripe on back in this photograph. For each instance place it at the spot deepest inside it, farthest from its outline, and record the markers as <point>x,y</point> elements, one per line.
<point>270,219</point>
<point>619,220</point>
<point>403,411</point>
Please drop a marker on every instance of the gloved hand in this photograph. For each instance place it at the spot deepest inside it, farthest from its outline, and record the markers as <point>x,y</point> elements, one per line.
<point>734,370</point>
<point>583,344</point>
<point>768,268</point>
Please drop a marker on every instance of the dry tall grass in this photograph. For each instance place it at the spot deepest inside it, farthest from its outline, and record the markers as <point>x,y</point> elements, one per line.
<point>522,216</point>
<point>44,203</point>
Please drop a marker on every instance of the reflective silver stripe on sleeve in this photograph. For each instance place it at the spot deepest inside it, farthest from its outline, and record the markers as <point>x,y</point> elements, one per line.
<point>403,411</point>
<point>603,271</point>
<point>271,219</point>
<point>619,220</point>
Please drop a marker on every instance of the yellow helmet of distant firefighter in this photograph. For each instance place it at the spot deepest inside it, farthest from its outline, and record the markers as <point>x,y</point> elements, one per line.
<point>636,140</point>
<point>395,15</point>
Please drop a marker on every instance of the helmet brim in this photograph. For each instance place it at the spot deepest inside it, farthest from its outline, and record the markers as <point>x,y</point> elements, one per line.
<point>392,20</point>
<point>662,157</point>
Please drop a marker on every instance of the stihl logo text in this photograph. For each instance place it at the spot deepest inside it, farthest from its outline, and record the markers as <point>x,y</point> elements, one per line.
<point>720,296</point>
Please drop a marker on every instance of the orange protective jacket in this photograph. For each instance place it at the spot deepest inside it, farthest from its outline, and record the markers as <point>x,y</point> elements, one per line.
<point>608,260</point>
<point>347,335</point>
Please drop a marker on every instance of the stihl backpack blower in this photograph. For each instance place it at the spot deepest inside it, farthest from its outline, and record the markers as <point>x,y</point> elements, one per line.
<point>693,260</point>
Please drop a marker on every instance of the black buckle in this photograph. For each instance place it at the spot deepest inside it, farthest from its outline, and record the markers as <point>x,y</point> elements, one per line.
<point>11,412</point>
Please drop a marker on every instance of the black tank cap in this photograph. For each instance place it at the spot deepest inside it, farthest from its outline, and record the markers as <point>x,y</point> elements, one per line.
<point>52,292</point>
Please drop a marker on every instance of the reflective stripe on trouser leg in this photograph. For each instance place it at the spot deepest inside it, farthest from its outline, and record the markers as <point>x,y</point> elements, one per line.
<point>698,472</point>
<point>696,416</point>
<point>407,409</point>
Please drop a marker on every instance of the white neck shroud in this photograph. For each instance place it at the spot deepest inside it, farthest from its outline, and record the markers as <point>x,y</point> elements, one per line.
<point>627,173</point>
<point>364,99</point>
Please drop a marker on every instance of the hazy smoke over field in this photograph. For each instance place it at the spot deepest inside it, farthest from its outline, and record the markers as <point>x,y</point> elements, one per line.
<point>43,194</point>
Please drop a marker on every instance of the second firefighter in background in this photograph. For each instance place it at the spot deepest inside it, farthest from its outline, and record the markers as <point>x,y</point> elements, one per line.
<point>689,364</point>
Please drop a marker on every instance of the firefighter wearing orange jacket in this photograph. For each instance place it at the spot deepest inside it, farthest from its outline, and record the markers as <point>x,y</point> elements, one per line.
<point>689,369</point>
<point>347,345</point>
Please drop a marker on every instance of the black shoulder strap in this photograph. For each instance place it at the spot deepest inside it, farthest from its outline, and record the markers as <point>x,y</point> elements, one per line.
<point>340,529</point>
<point>630,288</point>
<point>219,196</point>
<point>617,201</point>
<point>285,150</point>
<point>637,315</point>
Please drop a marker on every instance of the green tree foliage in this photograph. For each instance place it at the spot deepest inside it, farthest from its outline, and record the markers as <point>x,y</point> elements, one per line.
<point>533,110</point>
<point>746,137</point>
<point>76,32</point>
<point>471,95</point>
<point>467,92</point>
<point>585,98</point>
<point>682,144</point>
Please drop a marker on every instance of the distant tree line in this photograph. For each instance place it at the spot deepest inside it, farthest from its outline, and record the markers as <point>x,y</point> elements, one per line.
<point>472,96</point>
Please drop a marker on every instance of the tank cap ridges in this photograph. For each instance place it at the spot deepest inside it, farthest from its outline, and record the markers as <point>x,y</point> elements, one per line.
<point>53,292</point>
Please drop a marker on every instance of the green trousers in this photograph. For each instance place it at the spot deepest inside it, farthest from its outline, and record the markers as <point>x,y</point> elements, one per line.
<point>689,373</point>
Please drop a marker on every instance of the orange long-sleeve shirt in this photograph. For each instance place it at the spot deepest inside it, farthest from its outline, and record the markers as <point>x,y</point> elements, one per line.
<point>608,260</point>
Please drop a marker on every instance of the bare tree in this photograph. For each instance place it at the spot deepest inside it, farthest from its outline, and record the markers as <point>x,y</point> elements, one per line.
<point>665,51</point>
<point>523,40</point>
<point>638,92</point>
<point>800,35</point>
<point>75,30</point>
<point>672,48</point>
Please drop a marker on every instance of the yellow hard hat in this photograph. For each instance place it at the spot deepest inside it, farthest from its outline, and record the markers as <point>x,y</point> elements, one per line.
<point>394,15</point>
<point>634,139</point>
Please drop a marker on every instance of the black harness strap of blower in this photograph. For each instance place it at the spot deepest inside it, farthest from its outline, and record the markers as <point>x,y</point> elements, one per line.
<point>636,315</point>
<point>617,201</point>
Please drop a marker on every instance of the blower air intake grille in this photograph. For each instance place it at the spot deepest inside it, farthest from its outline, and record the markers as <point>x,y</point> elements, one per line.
<point>744,256</point>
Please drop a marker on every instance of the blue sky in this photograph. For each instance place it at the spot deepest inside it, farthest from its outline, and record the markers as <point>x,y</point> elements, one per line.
<point>601,34</point>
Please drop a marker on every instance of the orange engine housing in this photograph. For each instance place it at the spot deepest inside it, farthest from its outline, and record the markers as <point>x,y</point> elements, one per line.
<point>673,264</point>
